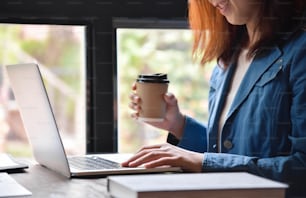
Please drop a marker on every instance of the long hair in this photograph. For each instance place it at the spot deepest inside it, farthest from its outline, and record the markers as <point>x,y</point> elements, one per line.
<point>215,38</point>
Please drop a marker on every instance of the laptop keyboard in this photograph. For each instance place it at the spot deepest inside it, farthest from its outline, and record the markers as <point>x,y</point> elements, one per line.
<point>92,163</point>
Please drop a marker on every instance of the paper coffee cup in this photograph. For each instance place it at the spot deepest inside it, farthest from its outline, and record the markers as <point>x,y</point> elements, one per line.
<point>151,89</point>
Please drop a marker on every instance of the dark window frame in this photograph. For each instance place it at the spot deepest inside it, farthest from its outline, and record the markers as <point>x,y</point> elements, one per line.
<point>98,16</point>
<point>88,60</point>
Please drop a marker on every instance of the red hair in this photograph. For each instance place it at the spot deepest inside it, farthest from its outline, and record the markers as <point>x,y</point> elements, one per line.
<point>215,38</point>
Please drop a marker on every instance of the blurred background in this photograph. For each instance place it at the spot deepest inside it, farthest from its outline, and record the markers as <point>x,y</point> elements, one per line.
<point>143,51</point>
<point>60,50</point>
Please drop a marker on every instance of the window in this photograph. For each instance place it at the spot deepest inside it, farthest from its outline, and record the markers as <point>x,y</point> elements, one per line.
<point>156,47</point>
<point>60,52</point>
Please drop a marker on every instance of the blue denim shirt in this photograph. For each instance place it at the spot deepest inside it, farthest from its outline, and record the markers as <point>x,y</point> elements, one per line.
<point>265,128</point>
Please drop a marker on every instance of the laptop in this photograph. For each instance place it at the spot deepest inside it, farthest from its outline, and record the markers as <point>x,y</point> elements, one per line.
<point>41,128</point>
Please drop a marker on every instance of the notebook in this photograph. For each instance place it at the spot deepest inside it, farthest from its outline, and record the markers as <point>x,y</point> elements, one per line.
<point>42,131</point>
<point>9,164</point>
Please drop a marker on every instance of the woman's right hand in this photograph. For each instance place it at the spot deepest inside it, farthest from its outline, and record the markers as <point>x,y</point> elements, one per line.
<point>174,120</point>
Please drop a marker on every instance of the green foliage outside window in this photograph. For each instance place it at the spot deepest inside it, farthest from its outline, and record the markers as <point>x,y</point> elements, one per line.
<point>158,51</point>
<point>59,50</point>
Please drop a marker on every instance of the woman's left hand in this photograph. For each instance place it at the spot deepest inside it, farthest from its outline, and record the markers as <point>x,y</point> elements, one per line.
<point>166,155</point>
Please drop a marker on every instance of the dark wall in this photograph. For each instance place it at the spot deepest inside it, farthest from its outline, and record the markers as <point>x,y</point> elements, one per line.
<point>98,16</point>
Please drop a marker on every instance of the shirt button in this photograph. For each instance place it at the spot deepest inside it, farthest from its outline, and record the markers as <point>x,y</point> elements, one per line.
<point>227,144</point>
<point>214,146</point>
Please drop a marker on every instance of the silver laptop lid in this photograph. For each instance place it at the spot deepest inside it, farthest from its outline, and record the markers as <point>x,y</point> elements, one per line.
<point>37,116</point>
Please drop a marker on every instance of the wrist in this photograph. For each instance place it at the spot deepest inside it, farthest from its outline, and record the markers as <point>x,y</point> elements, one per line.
<point>178,126</point>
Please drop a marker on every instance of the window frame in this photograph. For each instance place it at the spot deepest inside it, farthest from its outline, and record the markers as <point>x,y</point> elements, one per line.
<point>88,26</point>
<point>98,16</point>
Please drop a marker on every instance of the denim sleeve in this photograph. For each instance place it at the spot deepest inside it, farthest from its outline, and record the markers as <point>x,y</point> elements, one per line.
<point>194,136</point>
<point>287,169</point>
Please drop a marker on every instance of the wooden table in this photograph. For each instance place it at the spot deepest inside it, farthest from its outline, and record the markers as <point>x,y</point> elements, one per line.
<point>43,182</point>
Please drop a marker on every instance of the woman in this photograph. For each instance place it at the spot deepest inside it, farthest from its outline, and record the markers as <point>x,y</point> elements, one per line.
<point>257,99</point>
